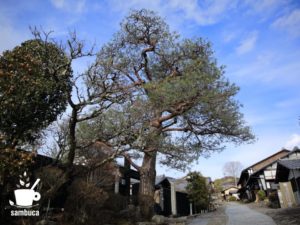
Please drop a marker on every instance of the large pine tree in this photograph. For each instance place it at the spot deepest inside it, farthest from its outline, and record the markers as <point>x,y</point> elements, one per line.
<point>184,104</point>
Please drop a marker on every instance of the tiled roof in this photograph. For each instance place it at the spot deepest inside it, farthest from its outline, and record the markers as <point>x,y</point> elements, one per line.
<point>262,163</point>
<point>160,178</point>
<point>179,184</point>
<point>291,164</point>
<point>244,172</point>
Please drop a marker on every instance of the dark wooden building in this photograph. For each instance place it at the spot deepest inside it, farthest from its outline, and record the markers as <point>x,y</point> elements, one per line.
<point>262,175</point>
<point>174,198</point>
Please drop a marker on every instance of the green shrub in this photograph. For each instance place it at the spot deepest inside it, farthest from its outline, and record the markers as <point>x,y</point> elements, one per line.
<point>261,195</point>
<point>232,199</point>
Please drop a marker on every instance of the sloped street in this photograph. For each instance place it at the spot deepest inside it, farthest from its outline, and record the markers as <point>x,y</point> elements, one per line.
<point>217,217</point>
<point>233,214</point>
<point>239,214</point>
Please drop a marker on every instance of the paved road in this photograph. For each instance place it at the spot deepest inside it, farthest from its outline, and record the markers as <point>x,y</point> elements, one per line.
<point>234,214</point>
<point>217,217</point>
<point>199,221</point>
<point>242,215</point>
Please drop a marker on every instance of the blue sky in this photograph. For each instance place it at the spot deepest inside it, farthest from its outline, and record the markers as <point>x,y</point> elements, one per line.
<point>257,40</point>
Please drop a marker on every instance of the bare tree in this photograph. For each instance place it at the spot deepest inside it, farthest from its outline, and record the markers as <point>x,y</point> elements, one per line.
<point>233,169</point>
<point>89,99</point>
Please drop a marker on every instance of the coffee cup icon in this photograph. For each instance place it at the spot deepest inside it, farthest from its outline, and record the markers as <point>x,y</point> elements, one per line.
<point>25,197</point>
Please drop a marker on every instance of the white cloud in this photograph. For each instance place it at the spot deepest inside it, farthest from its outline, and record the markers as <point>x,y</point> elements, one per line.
<point>247,44</point>
<point>10,36</point>
<point>289,23</point>
<point>270,68</point>
<point>293,141</point>
<point>58,3</point>
<point>77,6</point>
<point>264,5</point>
<point>229,36</point>
<point>264,9</point>
<point>289,103</point>
<point>259,117</point>
<point>203,13</point>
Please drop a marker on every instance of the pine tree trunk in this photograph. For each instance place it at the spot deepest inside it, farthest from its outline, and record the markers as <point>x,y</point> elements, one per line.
<point>147,182</point>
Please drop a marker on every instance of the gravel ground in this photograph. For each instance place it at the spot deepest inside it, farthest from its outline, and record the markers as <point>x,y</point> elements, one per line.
<point>289,216</point>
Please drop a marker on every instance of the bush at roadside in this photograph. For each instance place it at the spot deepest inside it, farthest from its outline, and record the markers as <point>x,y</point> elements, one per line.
<point>232,199</point>
<point>261,195</point>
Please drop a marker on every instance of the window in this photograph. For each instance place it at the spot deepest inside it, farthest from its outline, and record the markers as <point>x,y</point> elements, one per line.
<point>270,174</point>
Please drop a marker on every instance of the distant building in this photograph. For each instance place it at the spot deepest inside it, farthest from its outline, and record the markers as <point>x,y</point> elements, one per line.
<point>228,182</point>
<point>230,191</point>
<point>260,176</point>
<point>174,196</point>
